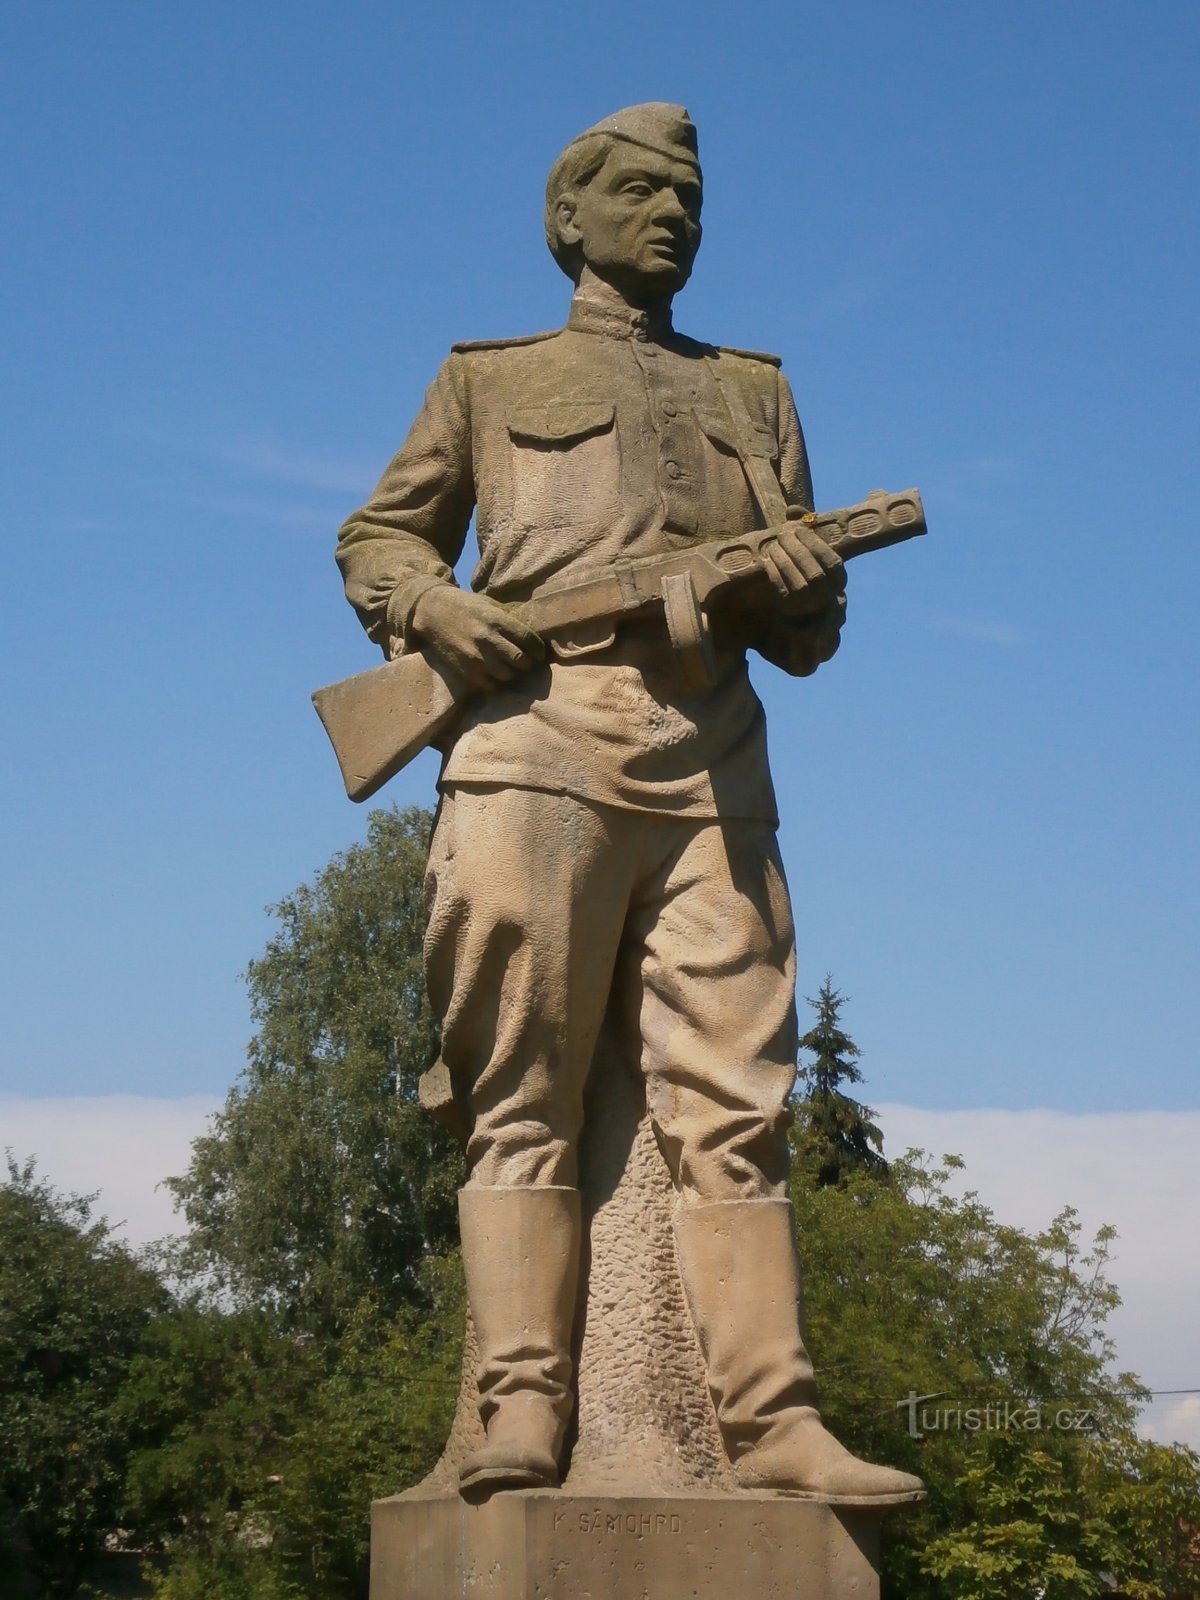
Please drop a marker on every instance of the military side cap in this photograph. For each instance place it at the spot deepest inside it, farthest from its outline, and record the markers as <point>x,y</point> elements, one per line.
<point>655,126</point>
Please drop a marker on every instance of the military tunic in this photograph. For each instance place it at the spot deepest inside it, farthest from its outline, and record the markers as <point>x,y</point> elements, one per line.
<point>609,439</point>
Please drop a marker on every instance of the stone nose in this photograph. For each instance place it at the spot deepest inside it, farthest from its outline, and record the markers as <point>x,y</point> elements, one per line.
<point>668,206</point>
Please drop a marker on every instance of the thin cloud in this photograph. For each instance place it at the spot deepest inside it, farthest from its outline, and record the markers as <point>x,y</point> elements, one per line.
<point>978,483</point>
<point>71,524</point>
<point>858,286</point>
<point>981,629</point>
<point>119,1146</point>
<point>1173,1421</point>
<point>262,511</point>
<point>966,475</point>
<point>266,458</point>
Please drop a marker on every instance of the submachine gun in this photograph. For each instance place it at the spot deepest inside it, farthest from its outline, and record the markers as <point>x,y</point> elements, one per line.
<point>378,720</point>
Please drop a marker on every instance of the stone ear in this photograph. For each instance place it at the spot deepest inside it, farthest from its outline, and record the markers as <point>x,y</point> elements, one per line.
<point>564,217</point>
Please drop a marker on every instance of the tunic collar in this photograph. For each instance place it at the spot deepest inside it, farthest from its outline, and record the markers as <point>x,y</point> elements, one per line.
<point>598,309</point>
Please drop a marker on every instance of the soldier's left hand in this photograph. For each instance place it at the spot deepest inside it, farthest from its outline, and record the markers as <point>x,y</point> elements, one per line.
<point>808,575</point>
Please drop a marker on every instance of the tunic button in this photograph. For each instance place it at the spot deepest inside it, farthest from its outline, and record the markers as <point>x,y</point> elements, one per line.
<point>674,470</point>
<point>669,410</point>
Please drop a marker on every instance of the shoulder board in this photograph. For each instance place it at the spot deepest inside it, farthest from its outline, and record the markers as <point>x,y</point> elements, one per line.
<point>751,355</point>
<point>503,344</point>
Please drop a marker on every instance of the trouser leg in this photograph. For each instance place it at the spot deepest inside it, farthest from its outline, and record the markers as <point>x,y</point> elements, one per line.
<point>716,1010</point>
<point>527,905</point>
<point>709,969</point>
<point>528,894</point>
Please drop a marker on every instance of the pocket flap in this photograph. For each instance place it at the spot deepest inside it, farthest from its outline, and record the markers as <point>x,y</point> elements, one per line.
<point>720,430</point>
<point>560,423</point>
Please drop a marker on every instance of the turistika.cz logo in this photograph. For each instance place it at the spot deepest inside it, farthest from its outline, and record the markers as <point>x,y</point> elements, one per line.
<point>995,1416</point>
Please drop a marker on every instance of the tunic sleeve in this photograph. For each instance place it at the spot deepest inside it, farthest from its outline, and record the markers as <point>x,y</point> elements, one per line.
<point>412,530</point>
<point>794,472</point>
<point>798,645</point>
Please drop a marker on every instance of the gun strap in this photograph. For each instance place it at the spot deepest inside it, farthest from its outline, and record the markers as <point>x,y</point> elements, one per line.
<point>756,463</point>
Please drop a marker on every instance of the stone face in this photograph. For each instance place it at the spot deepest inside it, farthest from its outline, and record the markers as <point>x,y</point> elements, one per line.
<point>546,1545</point>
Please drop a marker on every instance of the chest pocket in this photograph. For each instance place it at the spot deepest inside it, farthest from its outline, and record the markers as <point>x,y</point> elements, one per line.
<point>730,501</point>
<point>719,430</point>
<point>566,464</point>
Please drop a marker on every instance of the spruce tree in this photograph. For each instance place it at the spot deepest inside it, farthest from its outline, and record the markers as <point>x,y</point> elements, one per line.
<point>835,1135</point>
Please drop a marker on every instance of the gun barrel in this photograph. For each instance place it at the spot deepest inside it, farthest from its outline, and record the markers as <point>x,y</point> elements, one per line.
<point>875,523</point>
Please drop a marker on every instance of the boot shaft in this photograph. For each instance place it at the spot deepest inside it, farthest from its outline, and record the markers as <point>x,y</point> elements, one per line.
<point>741,1276</point>
<point>521,1261</point>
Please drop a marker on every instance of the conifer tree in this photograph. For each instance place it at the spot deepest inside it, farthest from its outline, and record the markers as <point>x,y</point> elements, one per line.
<point>835,1135</point>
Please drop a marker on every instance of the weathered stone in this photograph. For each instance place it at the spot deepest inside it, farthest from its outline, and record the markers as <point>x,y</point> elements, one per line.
<point>609,927</point>
<point>547,1545</point>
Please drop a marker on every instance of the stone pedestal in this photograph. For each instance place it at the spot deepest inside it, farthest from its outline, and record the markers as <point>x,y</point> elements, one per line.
<point>538,1544</point>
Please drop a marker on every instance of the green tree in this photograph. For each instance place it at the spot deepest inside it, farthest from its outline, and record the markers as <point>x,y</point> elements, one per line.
<point>376,1425</point>
<point>1149,1494</point>
<point>75,1306</point>
<point>211,1403</point>
<point>1032,1532</point>
<point>323,1180</point>
<point>914,1291</point>
<point>834,1134</point>
<point>317,1363</point>
<point>270,1445</point>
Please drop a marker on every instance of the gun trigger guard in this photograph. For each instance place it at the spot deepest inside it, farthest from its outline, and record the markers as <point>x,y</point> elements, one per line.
<point>583,641</point>
<point>688,629</point>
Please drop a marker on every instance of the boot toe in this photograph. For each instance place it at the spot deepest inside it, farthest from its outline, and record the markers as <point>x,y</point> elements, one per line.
<point>806,1459</point>
<point>500,1468</point>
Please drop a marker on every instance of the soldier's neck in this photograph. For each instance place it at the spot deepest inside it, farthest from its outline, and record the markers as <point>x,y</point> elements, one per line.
<point>609,304</point>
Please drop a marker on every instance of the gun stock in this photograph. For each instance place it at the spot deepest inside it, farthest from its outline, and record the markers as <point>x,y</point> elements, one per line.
<point>378,720</point>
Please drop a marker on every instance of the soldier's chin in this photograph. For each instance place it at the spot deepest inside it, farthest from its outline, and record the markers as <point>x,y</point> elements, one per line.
<point>664,276</point>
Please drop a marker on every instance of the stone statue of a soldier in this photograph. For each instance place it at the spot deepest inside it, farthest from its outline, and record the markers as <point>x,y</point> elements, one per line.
<point>605,847</point>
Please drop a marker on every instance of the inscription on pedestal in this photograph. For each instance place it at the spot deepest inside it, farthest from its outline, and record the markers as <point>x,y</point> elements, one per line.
<point>546,1545</point>
<point>634,1522</point>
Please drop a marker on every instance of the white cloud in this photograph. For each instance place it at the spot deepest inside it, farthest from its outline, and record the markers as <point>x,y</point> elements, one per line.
<point>121,1145</point>
<point>1135,1170</point>
<point>1177,1419</point>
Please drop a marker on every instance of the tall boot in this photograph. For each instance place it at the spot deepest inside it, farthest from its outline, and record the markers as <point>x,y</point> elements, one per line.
<point>521,1258</point>
<point>738,1263</point>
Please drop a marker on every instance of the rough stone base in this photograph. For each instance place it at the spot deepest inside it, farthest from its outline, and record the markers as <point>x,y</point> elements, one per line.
<point>555,1545</point>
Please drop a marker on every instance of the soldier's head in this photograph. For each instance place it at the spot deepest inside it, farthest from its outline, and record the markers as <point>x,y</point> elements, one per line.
<point>624,200</point>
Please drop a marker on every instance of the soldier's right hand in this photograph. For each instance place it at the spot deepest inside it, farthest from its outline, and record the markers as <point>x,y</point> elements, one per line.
<point>472,637</point>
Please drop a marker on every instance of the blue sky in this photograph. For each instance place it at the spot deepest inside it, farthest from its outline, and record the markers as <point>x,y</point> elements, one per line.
<point>239,240</point>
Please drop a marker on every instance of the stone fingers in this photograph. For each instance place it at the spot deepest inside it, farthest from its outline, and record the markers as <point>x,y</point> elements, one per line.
<point>800,563</point>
